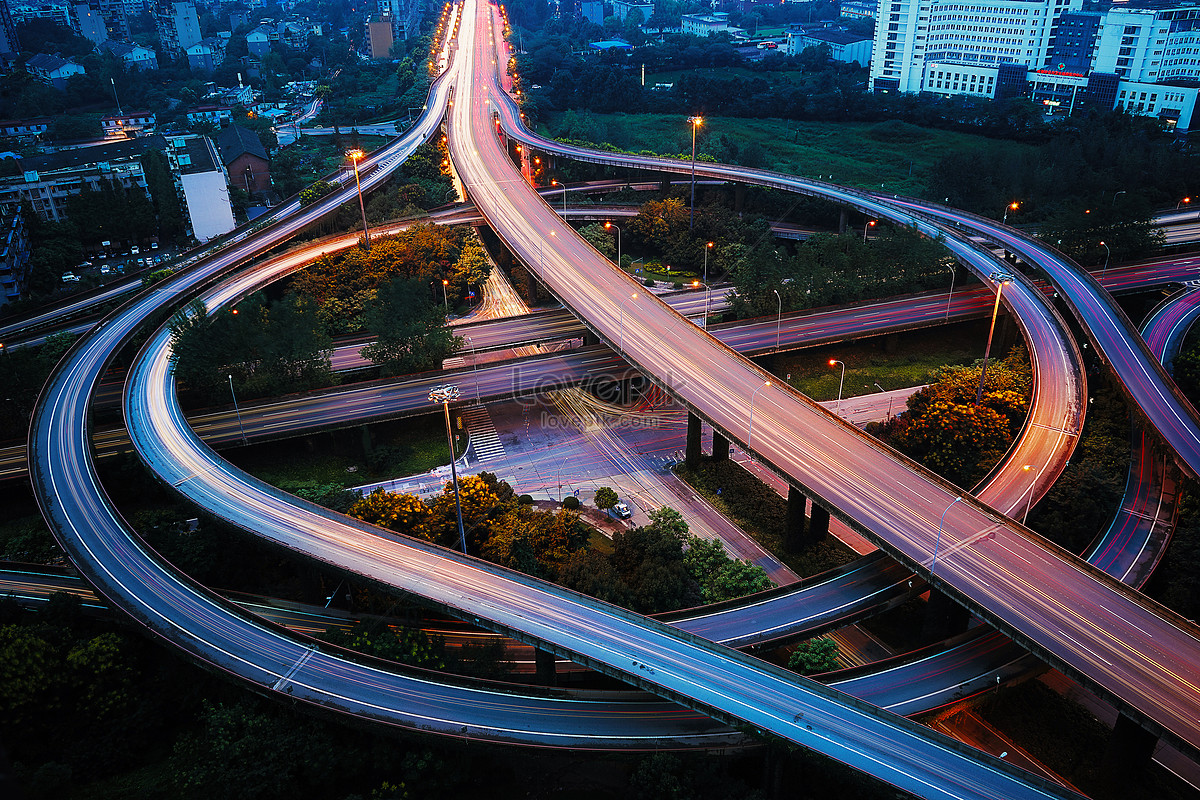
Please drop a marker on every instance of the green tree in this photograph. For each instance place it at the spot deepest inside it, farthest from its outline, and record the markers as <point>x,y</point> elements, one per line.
<point>605,498</point>
<point>814,656</point>
<point>163,194</point>
<point>411,334</point>
<point>403,513</point>
<point>599,238</point>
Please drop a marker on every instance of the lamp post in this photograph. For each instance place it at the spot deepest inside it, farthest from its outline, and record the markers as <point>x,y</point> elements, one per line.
<point>867,227</point>
<point>1115,196</point>
<point>707,291</point>
<point>778,316</point>
<point>1183,202</point>
<point>610,225</point>
<point>444,394</point>
<point>237,410</point>
<point>695,122</point>
<point>474,367</point>
<point>1029,496</point>
<point>1000,278</point>
<point>938,544</point>
<point>355,155</point>
<point>880,388</point>
<point>750,430</point>
<point>949,297</point>
<point>445,299</point>
<point>1013,206</point>
<point>1107,255</point>
<point>841,383</point>
<point>622,320</point>
<point>564,188</point>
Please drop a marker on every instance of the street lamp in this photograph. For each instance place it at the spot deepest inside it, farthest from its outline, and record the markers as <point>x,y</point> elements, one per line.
<point>707,291</point>
<point>474,367</point>
<point>750,431</point>
<point>938,544</point>
<point>610,225</point>
<point>237,410</point>
<point>1107,255</point>
<point>444,394</point>
<point>949,297</point>
<point>866,227</point>
<point>1183,202</point>
<point>890,398</point>
<point>695,122</point>
<point>778,317</point>
<point>445,299</point>
<point>1000,278</point>
<point>1029,500</point>
<point>841,382</point>
<point>355,155</point>
<point>622,319</point>
<point>564,188</point>
<point>1115,196</point>
<point>1013,206</point>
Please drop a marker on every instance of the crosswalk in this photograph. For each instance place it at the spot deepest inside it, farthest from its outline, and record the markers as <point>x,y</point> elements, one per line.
<point>485,442</point>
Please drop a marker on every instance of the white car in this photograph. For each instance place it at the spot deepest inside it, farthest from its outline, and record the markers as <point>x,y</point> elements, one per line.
<point>622,511</point>
<point>70,277</point>
<point>134,250</point>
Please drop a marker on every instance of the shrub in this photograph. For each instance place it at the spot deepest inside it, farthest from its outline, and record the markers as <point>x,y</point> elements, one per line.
<point>525,500</point>
<point>571,503</point>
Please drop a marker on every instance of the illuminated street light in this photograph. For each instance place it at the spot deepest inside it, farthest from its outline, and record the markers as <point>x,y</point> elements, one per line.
<point>622,319</point>
<point>610,225</point>
<point>355,155</point>
<point>444,394</point>
<point>1013,206</point>
<point>695,122</point>
<point>445,299</point>
<point>1000,278</point>
<point>867,227</point>
<point>564,188</point>
<point>707,291</point>
<point>1029,500</point>
<point>841,383</point>
<point>1183,202</point>
<point>938,544</point>
<point>750,430</point>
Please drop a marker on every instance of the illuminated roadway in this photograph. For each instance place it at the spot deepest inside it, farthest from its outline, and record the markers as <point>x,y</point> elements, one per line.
<point>1072,615</point>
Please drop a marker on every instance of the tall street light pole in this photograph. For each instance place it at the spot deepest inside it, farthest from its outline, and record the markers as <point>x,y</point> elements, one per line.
<point>707,292</point>
<point>841,383</point>
<point>949,297</point>
<point>867,227</point>
<point>750,430</point>
<point>778,317</point>
<point>1107,255</point>
<point>938,544</point>
<point>695,122</point>
<point>889,411</point>
<point>1013,206</point>
<point>564,188</point>
<point>237,410</point>
<point>443,395</point>
<point>355,155</point>
<point>1000,278</point>
<point>618,230</point>
<point>445,299</point>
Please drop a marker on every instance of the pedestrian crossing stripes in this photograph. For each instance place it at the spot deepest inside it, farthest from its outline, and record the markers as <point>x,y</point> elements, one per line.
<point>484,440</point>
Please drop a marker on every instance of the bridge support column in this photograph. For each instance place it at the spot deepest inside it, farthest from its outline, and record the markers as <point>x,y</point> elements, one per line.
<point>691,452</point>
<point>818,523</point>
<point>530,286</point>
<point>590,338</point>
<point>842,221</point>
<point>739,198</point>
<point>720,447</point>
<point>1130,749</point>
<point>547,675</point>
<point>793,534</point>
<point>944,617</point>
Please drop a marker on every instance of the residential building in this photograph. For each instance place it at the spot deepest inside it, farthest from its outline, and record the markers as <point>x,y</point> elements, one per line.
<point>245,159</point>
<point>592,11</point>
<point>843,46</point>
<point>54,11</point>
<point>178,27</point>
<point>9,44</point>
<point>858,9</point>
<point>405,16</point>
<point>132,55</point>
<point>621,9</point>
<point>26,128</point>
<point>212,114</point>
<point>258,41</point>
<point>52,69</point>
<point>88,23</point>
<point>14,253</point>
<point>128,125</point>
<point>704,24</point>
<point>203,184</point>
<point>380,38</point>
<point>206,54</point>
<point>48,180</point>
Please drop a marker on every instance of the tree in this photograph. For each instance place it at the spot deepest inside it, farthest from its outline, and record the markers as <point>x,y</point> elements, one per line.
<point>721,577</point>
<point>402,513</point>
<point>814,656</point>
<point>411,334</point>
<point>605,498</point>
<point>598,237</point>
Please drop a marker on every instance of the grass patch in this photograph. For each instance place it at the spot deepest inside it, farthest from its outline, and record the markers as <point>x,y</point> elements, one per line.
<point>758,510</point>
<point>846,153</point>
<point>27,539</point>
<point>893,362</point>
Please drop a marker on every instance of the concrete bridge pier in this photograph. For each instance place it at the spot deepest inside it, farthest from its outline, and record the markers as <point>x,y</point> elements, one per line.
<point>818,523</point>
<point>547,674</point>
<point>691,451</point>
<point>720,447</point>
<point>1130,749</point>
<point>793,533</point>
<point>944,617</point>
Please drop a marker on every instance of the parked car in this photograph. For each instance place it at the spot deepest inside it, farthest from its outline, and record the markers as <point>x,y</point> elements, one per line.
<point>134,250</point>
<point>622,511</point>
<point>70,277</point>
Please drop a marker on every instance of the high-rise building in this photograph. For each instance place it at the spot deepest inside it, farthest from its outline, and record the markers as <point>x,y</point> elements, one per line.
<point>8,32</point>
<point>379,35</point>
<point>405,16</point>
<point>178,26</point>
